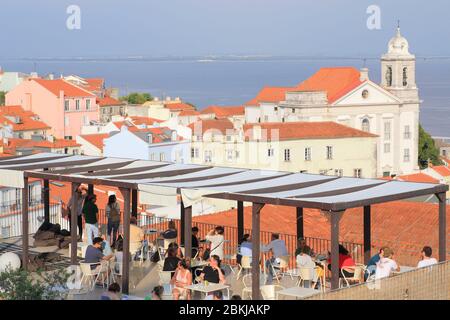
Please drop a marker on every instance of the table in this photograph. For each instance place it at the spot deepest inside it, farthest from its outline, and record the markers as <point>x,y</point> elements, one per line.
<point>297,292</point>
<point>198,263</point>
<point>211,287</point>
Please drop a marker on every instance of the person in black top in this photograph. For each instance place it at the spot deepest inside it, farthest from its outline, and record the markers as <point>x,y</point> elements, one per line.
<point>212,272</point>
<point>171,261</point>
<point>195,242</point>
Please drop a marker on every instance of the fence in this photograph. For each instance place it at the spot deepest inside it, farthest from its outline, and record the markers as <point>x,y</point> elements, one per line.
<point>152,222</point>
<point>430,283</point>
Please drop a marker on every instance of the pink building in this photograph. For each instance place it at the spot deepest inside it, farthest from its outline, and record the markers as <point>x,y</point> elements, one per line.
<point>60,104</point>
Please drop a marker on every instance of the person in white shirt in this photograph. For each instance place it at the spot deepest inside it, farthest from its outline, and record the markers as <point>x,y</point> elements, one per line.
<point>304,261</point>
<point>427,260</point>
<point>215,237</point>
<point>278,248</point>
<point>386,264</point>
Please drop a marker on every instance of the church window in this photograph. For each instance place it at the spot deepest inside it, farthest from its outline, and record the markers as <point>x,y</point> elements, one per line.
<point>365,125</point>
<point>389,76</point>
<point>405,77</point>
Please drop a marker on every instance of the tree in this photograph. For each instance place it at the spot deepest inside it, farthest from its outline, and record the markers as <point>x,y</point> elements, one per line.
<point>137,98</point>
<point>427,149</point>
<point>2,98</point>
<point>23,285</point>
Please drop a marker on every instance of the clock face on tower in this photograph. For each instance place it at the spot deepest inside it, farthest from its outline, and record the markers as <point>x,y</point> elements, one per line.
<point>365,94</point>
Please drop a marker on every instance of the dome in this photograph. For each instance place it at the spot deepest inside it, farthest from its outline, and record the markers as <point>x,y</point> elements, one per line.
<point>398,44</point>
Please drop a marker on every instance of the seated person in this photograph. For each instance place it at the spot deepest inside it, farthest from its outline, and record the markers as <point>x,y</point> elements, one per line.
<point>136,236</point>
<point>345,260</point>
<point>302,244</point>
<point>427,260</point>
<point>245,248</point>
<point>386,264</point>
<point>171,261</point>
<point>178,252</point>
<point>118,255</point>
<point>278,248</point>
<point>181,279</point>
<point>195,241</point>
<point>113,292</point>
<point>212,272</point>
<point>304,260</point>
<point>171,232</point>
<point>156,293</point>
<point>94,254</point>
<point>372,264</point>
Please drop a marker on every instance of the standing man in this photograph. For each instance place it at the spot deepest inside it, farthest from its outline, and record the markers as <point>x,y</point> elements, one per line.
<point>278,248</point>
<point>81,195</point>
<point>90,212</point>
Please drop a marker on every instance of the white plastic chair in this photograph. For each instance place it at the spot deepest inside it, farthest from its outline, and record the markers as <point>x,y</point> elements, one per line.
<point>245,265</point>
<point>90,275</point>
<point>357,275</point>
<point>269,291</point>
<point>278,270</point>
<point>164,280</point>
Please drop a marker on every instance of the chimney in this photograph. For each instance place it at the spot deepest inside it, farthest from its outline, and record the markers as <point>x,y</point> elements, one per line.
<point>364,74</point>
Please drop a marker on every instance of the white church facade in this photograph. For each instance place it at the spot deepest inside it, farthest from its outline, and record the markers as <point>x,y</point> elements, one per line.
<point>347,96</point>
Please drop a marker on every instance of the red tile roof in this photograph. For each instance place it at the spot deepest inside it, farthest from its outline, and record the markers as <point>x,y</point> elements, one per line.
<point>14,143</point>
<point>109,101</point>
<point>336,81</point>
<point>179,106</point>
<point>442,170</point>
<point>144,120</point>
<point>95,139</point>
<point>303,130</point>
<point>270,94</point>
<point>95,84</point>
<point>224,111</point>
<point>417,177</point>
<point>222,125</point>
<point>187,113</point>
<point>70,90</point>
<point>28,120</point>
<point>404,226</point>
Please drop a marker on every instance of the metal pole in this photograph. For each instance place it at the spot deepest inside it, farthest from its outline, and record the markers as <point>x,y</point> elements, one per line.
<point>442,226</point>
<point>240,220</point>
<point>188,233</point>
<point>74,224</point>
<point>300,231</point>
<point>335,217</point>
<point>367,234</point>
<point>182,222</point>
<point>126,240</point>
<point>256,239</point>
<point>134,202</point>
<point>25,227</point>
<point>46,199</point>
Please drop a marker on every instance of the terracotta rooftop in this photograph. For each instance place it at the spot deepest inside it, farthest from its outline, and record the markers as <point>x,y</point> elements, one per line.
<point>108,101</point>
<point>405,226</point>
<point>270,94</point>
<point>442,170</point>
<point>224,111</point>
<point>178,106</point>
<point>27,120</point>
<point>222,125</point>
<point>14,143</point>
<point>95,139</point>
<point>303,130</point>
<point>186,113</point>
<point>144,120</point>
<point>417,177</point>
<point>70,90</point>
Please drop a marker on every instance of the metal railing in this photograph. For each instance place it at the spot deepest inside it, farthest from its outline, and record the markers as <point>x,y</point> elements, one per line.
<point>13,219</point>
<point>429,283</point>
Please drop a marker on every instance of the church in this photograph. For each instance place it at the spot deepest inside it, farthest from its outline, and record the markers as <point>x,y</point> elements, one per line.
<point>347,96</point>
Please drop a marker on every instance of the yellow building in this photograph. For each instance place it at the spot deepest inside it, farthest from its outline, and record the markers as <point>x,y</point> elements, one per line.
<point>314,147</point>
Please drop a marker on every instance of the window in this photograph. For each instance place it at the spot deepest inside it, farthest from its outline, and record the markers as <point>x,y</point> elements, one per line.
<point>389,76</point>
<point>329,152</point>
<point>153,156</point>
<point>77,104</point>
<point>266,118</point>
<point>287,155</point>
<point>308,154</point>
<point>75,151</point>
<point>6,232</point>
<point>444,153</point>
<point>365,125</point>
<point>406,156</point>
<point>293,110</point>
<point>66,105</point>
<point>192,153</point>
<point>407,133</point>
<point>229,155</point>
<point>275,108</point>
<point>405,76</point>
<point>88,104</point>
<point>357,173</point>
<point>365,94</point>
<point>66,121</point>
<point>162,156</point>
<point>270,152</point>
<point>387,130</point>
<point>386,174</point>
<point>387,148</point>
<point>338,172</point>
<point>208,156</point>
<point>237,154</point>
<point>228,138</point>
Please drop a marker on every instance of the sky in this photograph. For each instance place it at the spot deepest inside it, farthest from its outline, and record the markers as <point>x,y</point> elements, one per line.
<point>31,28</point>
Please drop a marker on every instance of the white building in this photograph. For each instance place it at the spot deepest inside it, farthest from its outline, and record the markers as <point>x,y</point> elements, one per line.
<point>348,96</point>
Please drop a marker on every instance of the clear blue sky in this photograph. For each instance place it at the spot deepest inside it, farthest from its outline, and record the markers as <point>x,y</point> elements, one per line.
<point>31,28</point>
